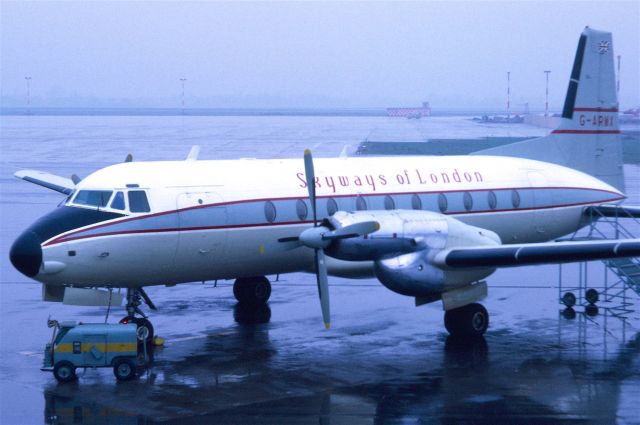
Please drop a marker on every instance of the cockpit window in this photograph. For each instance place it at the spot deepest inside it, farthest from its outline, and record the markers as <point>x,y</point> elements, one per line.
<point>138,201</point>
<point>118,201</point>
<point>94,198</point>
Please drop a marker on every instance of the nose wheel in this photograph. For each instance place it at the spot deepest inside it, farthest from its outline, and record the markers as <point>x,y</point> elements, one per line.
<point>469,320</point>
<point>135,297</point>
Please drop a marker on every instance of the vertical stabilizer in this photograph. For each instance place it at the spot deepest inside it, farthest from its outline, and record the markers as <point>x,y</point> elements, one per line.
<point>587,138</point>
<point>591,105</point>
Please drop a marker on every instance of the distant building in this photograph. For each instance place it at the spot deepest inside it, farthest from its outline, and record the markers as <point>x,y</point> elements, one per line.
<point>423,111</point>
<point>630,116</point>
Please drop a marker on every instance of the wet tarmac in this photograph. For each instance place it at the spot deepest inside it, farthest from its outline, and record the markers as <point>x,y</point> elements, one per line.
<point>383,361</point>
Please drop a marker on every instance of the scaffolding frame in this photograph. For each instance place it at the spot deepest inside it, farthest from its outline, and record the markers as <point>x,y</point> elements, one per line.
<point>618,273</point>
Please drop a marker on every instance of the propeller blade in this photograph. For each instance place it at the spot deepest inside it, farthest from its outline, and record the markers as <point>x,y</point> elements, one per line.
<point>323,286</point>
<point>311,186</point>
<point>313,238</point>
<point>353,230</point>
<point>289,239</point>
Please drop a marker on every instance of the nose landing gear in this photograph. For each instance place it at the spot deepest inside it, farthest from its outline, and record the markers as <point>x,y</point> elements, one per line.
<point>135,297</point>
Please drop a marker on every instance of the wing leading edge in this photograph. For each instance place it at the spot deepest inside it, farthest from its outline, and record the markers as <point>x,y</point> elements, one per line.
<point>50,181</point>
<point>538,253</point>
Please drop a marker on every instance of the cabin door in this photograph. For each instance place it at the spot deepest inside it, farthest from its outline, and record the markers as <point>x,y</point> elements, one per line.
<point>542,198</point>
<point>203,234</point>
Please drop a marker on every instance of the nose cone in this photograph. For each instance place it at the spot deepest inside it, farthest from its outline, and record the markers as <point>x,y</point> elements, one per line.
<point>26,254</point>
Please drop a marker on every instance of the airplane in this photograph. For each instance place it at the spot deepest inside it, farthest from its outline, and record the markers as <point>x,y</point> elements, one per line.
<point>428,227</point>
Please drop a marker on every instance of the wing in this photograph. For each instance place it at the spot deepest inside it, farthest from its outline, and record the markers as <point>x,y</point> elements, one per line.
<point>50,181</point>
<point>537,253</point>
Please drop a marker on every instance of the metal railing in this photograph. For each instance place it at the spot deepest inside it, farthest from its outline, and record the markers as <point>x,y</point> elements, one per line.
<point>620,274</point>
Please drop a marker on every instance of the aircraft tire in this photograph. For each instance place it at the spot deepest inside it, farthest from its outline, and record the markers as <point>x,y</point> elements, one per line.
<point>64,372</point>
<point>252,290</point>
<point>470,320</point>
<point>140,322</point>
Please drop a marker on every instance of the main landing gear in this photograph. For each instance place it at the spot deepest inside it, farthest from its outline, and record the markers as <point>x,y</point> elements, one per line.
<point>471,320</point>
<point>252,291</point>
<point>135,297</point>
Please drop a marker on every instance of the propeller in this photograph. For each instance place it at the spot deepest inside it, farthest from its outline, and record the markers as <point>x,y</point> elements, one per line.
<point>319,260</point>
<point>76,179</point>
<point>320,237</point>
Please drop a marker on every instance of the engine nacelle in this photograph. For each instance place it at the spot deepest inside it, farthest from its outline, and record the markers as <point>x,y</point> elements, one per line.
<point>405,245</point>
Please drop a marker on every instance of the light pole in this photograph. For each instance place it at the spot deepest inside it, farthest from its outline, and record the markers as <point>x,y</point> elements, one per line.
<point>28,79</point>
<point>183,80</point>
<point>546,92</point>
<point>618,82</point>
<point>508,94</point>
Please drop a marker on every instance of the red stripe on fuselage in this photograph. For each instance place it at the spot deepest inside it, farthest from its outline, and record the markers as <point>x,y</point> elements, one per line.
<point>69,237</point>
<point>585,132</point>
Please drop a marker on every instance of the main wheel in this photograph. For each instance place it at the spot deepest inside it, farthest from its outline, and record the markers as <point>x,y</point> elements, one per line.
<point>470,320</point>
<point>64,371</point>
<point>140,322</point>
<point>124,369</point>
<point>252,290</point>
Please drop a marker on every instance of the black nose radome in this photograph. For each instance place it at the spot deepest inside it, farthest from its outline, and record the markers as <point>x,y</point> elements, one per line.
<point>26,254</point>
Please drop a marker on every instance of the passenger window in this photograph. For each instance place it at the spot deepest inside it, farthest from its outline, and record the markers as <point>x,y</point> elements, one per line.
<point>416,202</point>
<point>389,204</point>
<point>138,201</point>
<point>118,201</point>
<point>361,203</point>
<point>467,200</point>
<point>270,211</point>
<point>493,201</point>
<point>515,199</point>
<point>301,209</point>
<point>443,204</point>
<point>332,206</point>
<point>94,198</point>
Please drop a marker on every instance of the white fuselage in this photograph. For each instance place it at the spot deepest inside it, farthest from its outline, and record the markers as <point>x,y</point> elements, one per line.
<point>222,219</point>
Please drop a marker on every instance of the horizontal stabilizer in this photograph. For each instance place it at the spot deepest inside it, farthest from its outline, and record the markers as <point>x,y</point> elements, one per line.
<point>537,253</point>
<point>620,211</point>
<point>50,181</point>
<point>91,297</point>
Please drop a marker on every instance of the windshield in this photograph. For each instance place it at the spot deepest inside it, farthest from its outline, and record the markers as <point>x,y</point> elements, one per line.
<point>94,198</point>
<point>61,334</point>
<point>138,201</point>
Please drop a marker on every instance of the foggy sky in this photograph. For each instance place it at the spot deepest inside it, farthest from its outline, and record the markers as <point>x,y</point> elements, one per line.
<point>304,54</point>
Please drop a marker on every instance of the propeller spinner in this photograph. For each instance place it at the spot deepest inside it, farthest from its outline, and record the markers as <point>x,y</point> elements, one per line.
<point>320,237</point>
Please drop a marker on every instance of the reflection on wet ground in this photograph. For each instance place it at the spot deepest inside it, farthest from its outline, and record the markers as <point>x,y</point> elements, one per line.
<point>258,370</point>
<point>384,361</point>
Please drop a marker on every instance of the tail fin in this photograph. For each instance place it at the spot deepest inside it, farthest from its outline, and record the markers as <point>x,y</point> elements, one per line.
<point>587,138</point>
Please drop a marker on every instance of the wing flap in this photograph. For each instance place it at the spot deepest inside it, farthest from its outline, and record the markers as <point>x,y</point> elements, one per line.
<point>50,181</point>
<point>542,253</point>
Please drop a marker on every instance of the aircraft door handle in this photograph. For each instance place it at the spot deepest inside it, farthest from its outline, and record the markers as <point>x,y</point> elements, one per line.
<point>204,251</point>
